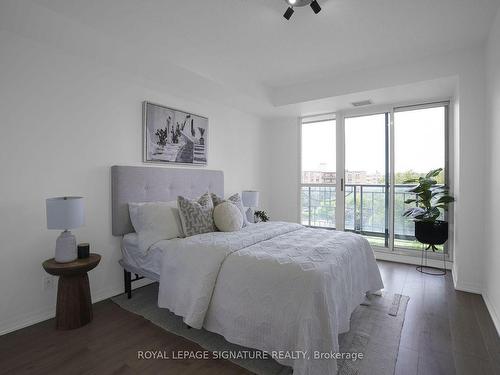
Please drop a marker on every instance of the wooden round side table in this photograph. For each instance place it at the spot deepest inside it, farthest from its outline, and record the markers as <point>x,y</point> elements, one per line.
<point>74,304</point>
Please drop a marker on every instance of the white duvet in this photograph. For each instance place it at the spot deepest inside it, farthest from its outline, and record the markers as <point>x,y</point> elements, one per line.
<point>271,286</point>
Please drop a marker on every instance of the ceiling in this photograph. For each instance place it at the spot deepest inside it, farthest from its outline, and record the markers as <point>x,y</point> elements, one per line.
<point>248,44</point>
<point>424,91</point>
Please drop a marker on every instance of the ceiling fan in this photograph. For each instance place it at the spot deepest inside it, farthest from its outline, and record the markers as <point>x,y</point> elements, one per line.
<point>300,3</point>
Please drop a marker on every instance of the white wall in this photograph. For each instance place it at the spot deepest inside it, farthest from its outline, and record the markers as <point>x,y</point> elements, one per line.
<point>492,259</point>
<point>64,121</point>
<point>283,173</point>
<point>469,130</point>
<point>70,107</point>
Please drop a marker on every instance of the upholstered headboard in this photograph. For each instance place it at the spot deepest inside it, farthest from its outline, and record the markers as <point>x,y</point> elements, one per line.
<point>148,184</point>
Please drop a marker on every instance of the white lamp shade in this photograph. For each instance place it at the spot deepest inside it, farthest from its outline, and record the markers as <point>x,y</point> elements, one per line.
<point>65,213</point>
<point>250,198</point>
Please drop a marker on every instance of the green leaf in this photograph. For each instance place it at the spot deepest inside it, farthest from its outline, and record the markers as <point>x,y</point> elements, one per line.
<point>425,195</point>
<point>434,173</point>
<point>434,213</point>
<point>414,212</point>
<point>416,189</point>
<point>410,181</point>
<point>446,199</point>
<point>430,198</point>
<point>419,217</point>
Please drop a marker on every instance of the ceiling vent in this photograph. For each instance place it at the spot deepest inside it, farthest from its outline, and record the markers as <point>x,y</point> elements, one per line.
<point>362,103</point>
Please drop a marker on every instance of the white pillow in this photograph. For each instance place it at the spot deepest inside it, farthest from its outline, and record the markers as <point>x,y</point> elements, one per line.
<point>154,221</point>
<point>236,200</point>
<point>175,210</point>
<point>228,217</point>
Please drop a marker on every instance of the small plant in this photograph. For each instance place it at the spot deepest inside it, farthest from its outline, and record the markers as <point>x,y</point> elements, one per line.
<point>202,140</point>
<point>430,199</point>
<point>162,135</point>
<point>261,216</point>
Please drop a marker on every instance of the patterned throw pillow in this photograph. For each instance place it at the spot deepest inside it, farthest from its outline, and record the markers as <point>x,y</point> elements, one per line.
<point>216,200</point>
<point>196,215</point>
<point>234,199</point>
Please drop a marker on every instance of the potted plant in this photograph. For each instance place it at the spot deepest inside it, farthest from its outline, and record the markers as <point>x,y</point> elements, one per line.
<point>162,135</point>
<point>202,140</point>
<point>431,200</point>
<point>261,216</point>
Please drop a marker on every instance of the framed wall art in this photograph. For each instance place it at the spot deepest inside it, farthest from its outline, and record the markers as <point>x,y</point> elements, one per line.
<point>173,136</point>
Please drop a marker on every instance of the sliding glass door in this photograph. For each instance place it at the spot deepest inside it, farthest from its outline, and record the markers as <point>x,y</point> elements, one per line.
<point>354,168</point>
<point>366,177</point>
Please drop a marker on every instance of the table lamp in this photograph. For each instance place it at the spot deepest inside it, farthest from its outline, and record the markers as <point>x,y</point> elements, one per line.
<point>250,198</point>
<point>65,213</point>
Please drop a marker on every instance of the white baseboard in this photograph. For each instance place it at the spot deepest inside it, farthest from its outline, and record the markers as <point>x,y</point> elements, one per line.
<point>11,325</point>
<point>468,287</point>
<point>464,286</point>
<point>493,312</point>
<point>454,274</point>
<point>479,289</point>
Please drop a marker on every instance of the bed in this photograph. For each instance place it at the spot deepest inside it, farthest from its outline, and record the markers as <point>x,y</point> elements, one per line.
<point>277,287</point>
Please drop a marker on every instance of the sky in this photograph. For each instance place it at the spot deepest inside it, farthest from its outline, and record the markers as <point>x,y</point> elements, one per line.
<point>419,141</point>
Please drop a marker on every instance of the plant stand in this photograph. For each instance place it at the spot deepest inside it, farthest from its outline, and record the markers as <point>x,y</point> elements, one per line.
<point>428,270</point>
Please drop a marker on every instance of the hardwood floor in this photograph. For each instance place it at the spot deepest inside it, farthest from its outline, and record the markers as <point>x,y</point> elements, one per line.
<point>445,332</point>
<point>108,345</point>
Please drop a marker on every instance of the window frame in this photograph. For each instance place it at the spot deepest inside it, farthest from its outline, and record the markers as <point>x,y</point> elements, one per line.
<point>339,117</point>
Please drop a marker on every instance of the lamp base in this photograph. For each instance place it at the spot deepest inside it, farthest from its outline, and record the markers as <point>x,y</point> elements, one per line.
<point>250,215</point>
<point>66,248</point>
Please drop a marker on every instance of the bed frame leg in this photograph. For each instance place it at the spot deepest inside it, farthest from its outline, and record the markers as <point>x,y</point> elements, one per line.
<point>127,277</point>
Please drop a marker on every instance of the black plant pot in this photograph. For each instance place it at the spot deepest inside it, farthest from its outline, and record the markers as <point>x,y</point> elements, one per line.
<point>431,233</point>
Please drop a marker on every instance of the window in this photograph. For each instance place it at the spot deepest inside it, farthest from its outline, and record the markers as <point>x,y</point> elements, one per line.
<point>366,189</point>
<point>416,126</point>
<point>353,170</point>
<point>318,174</point>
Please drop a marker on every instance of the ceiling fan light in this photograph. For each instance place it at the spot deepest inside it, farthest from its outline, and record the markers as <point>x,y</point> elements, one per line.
<point>315,7</point>
<point>288,13</point>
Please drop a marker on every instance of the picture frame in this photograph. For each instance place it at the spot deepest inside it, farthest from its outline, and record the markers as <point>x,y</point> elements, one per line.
<point>174,136</point>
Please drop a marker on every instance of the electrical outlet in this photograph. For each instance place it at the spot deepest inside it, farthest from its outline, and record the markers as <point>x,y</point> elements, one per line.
<point>48,282</point>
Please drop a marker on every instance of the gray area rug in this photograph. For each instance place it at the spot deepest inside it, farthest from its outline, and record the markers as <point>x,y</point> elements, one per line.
<point>375,331</point>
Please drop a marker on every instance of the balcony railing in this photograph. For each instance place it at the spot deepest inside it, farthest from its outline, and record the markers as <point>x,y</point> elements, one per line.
<point>365,211</point>
<point>318,205</point>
